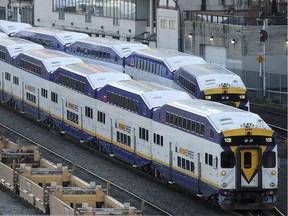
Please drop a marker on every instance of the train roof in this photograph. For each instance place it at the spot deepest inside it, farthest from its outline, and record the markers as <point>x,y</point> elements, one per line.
<point>64,37</point>
<point>97,75</point>
<point>18,45</point>
<point>2,34</point>
<point>209,76</point>
<point>153,94</point>
<point>9,27</point>
<point>173,58</point>
<point>223,117</point>
<point>51,59</point>
<point>122,48</point>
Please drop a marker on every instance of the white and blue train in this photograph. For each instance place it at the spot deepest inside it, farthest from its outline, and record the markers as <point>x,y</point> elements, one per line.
<point>205,147</point>
<point>167,67</point>
<point>10,27</point>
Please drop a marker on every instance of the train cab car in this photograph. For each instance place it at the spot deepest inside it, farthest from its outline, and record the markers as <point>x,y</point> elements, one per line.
<point>158,65</point>
<point>128,107</point>
<point>217,151</point>
<point>213,82</point>
<point>10,82</point>
<point>107,52</point>
<point>50,38</point>
<point>34,67</point>
<point>75,86</point>
<point>9,27</point>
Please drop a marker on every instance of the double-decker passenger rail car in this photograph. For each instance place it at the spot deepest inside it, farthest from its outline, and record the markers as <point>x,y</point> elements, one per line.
<point>208,148</point>
<point>189,73</point>
<point>213,82</point>
<point>10,83</point>
<point>9,27</point>
<point>50,38</point>
<point>104,51</point>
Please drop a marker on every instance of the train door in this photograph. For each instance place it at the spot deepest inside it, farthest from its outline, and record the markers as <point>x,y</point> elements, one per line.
<point>248,168</point>
<point>170,162</point>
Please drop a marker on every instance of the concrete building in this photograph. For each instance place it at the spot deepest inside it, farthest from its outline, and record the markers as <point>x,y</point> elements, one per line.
<point>223,32</point>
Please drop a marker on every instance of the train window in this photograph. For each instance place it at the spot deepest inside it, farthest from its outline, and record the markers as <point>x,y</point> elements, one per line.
<point>16,80</point>
<point>167,117</point>
<point>215,163</point>
<point>193,127</point>
<point>180,122</point>
<point>143,134</point>
<point>206,158</point>
<point>179,161</point>
<point>44,93</point>
<point>211,133</point>
<point>188,125</point>
<point>58,45</point>
<point>227,159</point>
<point>187,164</point>
<point>54,97</point>
<point>192,168</point>
<point>198,128</point>
<point>247,160</point>
<point>116,59</point>
<point>184,123</point>
<point>183,163</point>
<point>175,120</point>
<point>2,55</point>
<point>7,76</point>
<point>118,136</point>
<point>210,159</point>
<point>101,117</point>
<point>171,118</point>
<point>202,129</point>
<point>269,159</point>
<point>88,112</point>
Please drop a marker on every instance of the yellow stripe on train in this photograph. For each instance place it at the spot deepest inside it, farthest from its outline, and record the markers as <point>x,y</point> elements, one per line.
<point>226,90</point>
<point>248,131</point>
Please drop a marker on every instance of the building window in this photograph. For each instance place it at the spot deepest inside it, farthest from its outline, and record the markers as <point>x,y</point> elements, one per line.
<point>171,24</point>
<point>163,23</point>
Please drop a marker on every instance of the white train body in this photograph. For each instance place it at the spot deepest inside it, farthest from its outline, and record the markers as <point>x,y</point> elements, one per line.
<point>205,147</point>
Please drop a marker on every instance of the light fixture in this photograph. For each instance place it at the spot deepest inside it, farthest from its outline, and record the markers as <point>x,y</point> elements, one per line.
<point>129,30</point>
<point>190,35</point>
<point>38,20</point>
<point>211,38</point>
<point>72,23</point>
<point>233,41</point>
<point>286,41</point>
<point>102,27</point>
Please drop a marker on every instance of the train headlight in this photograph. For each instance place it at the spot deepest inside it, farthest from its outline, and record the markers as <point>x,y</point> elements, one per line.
<point>273,172</point>
<point>208,97</point>
<point>246,140</point>
<point>242,96</point>
<point>224,185</point>
<point>272,184</point>
<point>227,97</point>
<point>251,140</point>
<point>223,172</point>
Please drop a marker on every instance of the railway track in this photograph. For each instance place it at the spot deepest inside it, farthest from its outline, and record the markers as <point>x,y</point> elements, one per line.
<point>116,191</point>
<point>276,118</point>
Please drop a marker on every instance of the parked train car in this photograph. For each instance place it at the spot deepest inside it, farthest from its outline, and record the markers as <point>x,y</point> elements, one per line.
<point>190,73</point>
<point>9,27</point>
<point>207,148</point>
<point>104,51</point>
<point>50,38</point>
<point>151,64</point>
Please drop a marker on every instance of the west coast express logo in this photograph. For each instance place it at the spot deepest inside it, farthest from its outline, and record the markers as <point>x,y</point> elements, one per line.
<point>122,127</point>
<point>30,88</point>
<point>72,106</point>
<point>185,152</point>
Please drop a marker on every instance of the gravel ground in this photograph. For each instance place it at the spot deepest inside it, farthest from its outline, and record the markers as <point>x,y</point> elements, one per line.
<point>173,201</point>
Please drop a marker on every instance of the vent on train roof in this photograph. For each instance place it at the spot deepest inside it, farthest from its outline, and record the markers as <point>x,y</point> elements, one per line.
<point>225,121</point>
<point>210,81</point>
